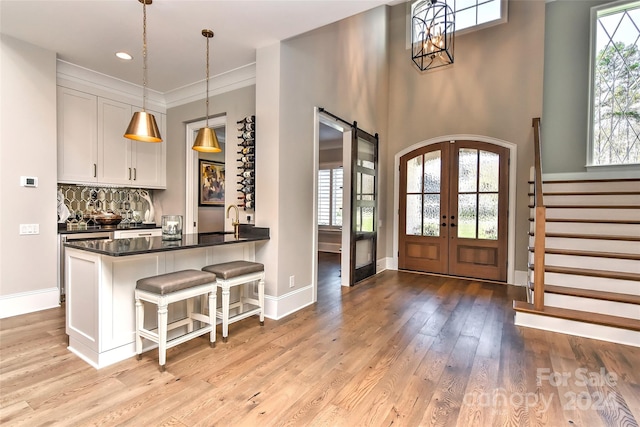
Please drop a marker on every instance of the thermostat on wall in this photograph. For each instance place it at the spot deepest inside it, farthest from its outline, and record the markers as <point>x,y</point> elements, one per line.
<point>29,181</point>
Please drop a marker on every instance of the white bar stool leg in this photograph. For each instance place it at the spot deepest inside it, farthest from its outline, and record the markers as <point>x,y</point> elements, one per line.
<point>162,332</point>
<point>261,299</point>
<point>213,301</point>
<point>225,312</point>
<point>139,326</point>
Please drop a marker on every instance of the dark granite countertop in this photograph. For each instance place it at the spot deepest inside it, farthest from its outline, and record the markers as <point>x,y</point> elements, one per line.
<point>62,228</point>
<point>145,245</point>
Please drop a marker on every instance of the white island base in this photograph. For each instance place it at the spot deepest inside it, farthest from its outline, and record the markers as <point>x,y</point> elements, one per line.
<point>100,305</point>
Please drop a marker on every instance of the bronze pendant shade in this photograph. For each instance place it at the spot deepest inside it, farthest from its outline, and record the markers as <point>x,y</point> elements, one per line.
<point>206,140</point>
<point>143,126</point>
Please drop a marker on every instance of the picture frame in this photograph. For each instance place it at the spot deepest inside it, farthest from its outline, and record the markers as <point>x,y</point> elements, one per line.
<point>211,183</point>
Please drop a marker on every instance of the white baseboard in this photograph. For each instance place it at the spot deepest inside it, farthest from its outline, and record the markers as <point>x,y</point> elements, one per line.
<point>28,302</point>
<point>278,307</point>
<point>521,278</point>
<point>580,329</point>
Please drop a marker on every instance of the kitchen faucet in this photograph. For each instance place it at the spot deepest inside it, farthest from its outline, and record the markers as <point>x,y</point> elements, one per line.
<point>236,223</point>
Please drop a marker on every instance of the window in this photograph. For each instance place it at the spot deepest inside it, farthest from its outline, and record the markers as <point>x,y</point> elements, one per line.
<point>330,197</point>
<point>471,14</point>
<point>615,94</point>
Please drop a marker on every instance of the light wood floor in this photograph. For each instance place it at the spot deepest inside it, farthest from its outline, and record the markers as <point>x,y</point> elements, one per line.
<point>398,349</point>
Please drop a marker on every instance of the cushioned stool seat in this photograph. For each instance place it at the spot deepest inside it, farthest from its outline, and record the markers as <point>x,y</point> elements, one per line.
<point>235,273</point>
<point>167,288</point>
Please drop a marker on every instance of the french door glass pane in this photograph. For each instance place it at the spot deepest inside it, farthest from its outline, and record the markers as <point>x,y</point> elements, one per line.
<point>431,221</point>
<point>432,161</point>
<point>488,216</point>
<point>489,171</point>
<point>467,170</point>
<point>414,217</point>
<point>367,219</point>
<point>414,175</point>
<point>467,215</point>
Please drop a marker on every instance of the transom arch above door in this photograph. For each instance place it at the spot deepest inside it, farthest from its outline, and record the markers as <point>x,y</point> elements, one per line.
<point>474,145</point>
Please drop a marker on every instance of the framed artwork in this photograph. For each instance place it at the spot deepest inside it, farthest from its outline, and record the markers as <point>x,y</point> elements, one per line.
<point>211,183</point>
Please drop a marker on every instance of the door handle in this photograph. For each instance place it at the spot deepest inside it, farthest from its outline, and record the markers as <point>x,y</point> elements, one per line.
<point>95,170</point>
<point>129,174</point>
<point>135,174</point>
<point>444,224</point>
<point>453,217</point>
<point>453,224</point>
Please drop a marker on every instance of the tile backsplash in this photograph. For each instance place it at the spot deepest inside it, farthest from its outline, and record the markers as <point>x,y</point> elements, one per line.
<point>131,203</point>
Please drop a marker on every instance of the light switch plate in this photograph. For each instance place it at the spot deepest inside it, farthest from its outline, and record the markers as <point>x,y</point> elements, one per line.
<point>29,228</point>
<point>29,181</point>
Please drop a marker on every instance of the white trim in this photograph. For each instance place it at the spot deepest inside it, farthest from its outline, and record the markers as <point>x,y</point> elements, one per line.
<point>591,176</point>
<point>191,171</point>
<point>80,78</point>
<point>521,278</point>
<point>226,82</point>
<point>385,264</point>
<point>278,307</point>
<point>28,302</point>
<point>513,153</point>
<point>580,329</point>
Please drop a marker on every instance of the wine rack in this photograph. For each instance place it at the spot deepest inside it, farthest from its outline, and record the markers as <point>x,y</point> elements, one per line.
<point>247,168</point>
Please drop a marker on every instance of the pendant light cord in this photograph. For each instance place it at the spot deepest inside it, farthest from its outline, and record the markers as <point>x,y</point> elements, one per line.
<point>207,101</point>
<point>144,55</point>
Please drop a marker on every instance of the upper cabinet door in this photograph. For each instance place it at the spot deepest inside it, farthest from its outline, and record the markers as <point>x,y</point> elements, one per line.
<point>149,159</point>
<point>77,136</point>
<point>114,150</point>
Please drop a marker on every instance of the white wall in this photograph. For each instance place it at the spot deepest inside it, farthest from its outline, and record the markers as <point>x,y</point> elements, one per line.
<point>341,67</point>
<point>28,265</point>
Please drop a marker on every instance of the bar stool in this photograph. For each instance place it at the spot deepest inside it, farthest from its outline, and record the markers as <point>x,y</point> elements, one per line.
<point>165,289</point>
<point>237,273</point>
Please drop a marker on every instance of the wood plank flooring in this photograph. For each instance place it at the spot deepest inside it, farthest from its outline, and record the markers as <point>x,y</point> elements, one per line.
<point>397,349</point>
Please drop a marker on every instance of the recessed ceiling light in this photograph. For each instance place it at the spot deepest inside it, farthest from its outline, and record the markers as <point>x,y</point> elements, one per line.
<point>124,55</point>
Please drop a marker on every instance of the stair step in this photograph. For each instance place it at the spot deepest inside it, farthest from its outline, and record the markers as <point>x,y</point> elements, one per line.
<point>592,207</point>
<point>593,245</point>
<point>594,221</point>
<point>593,294</point>
<point>580,316</point>
<point>593,236</point>
<point>630,214</point>
<point>593,273</point>
<point>597,254</point>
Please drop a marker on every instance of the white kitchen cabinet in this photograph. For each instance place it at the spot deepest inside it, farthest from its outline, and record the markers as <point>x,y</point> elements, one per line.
<point>77,136</point>
<point>91,141</point>
<point>147,232</point>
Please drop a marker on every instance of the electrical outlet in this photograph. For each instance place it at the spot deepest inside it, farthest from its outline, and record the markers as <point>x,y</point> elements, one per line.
<point>292,281</point>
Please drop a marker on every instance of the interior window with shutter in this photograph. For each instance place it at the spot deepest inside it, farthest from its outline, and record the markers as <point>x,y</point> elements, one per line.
<point>330,197</point>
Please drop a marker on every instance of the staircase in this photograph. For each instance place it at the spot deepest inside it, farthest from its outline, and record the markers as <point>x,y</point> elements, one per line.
<point>592,261</point>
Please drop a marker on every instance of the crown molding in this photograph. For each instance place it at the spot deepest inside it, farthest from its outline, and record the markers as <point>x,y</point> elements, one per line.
<point>80,78</point>
<point>218,84</point>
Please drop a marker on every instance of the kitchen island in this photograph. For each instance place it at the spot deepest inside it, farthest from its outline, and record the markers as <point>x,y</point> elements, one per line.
<point>101,277</point>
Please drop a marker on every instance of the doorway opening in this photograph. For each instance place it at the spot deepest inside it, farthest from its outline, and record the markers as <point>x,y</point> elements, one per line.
<point>202,218</point>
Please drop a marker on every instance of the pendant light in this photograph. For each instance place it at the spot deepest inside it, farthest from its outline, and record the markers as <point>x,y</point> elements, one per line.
<point>206,140</point>
<point>432,28</point>
<point>143,125</point>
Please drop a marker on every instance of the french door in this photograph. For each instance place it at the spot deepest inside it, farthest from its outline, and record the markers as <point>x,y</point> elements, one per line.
<point>453,210</point>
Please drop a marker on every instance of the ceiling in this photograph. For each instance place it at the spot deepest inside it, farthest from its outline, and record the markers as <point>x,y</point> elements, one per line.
<point>88,33</point>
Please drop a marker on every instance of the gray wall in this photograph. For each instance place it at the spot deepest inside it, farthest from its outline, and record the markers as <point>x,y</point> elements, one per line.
<point>236,105</point>
<point>28,147</point>
<point>493,89</point>
<point>565,117</point>
<point>343,68</point>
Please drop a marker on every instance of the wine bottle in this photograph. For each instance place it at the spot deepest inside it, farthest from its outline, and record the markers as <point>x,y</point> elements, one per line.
<point>246,150</point>
<point>246,181</point>
<point>246,189</point>
<point>248,119</point>
<point>247,165</point>
<point>246,159</point>
<point>247,174</point>
<point>247,205</point>
<point>246,127</point>
<point>248,135</point>
<point>246,143</point>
